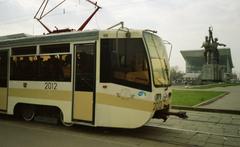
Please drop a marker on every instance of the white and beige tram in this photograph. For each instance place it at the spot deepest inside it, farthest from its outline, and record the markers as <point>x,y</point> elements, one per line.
<point>109,78</point>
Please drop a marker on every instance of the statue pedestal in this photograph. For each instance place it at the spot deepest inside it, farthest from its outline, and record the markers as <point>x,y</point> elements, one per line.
<point>212,72</point>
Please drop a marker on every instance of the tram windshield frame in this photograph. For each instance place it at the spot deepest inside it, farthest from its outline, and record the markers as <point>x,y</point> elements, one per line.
<point>124,61</point>
<point>158,59</point>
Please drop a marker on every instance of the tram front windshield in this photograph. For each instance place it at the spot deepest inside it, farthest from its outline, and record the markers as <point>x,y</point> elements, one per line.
<point>159,60</point>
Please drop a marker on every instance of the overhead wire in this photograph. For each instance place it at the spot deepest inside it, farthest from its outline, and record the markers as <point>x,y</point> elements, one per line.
<point>27,18</point>
<point>24,18</point>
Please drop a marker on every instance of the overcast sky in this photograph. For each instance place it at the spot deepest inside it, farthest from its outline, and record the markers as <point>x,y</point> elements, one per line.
<point>182,22</point>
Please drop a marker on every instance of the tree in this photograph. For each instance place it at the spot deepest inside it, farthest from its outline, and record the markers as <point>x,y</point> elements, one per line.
<point>175,74</point>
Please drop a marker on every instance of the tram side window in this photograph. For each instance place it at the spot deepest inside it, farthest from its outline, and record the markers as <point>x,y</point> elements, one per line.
<point>3,69</point>
<point>41,68</point>
<point>56,48</point>
<point>24,50</point>
<point>124,61</point>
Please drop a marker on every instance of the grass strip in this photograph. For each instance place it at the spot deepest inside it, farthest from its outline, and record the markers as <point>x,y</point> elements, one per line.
<point>191,98</point>
<point>214,85</point>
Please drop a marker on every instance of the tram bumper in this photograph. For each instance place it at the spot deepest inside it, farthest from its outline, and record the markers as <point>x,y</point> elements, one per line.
<point>165,113</point>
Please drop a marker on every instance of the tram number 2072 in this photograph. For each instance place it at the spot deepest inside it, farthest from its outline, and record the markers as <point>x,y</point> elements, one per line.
<point>50,86</point>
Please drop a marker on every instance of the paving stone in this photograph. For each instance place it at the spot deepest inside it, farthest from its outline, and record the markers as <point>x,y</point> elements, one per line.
<point>225,121</point>
<point>190,127</point>
<point>234,140</point>
<point>236,122</point>
<point>231,143</point>
<point>196,143</point>
<point>216,140</point>
<point>205,129</point>
<point>200,137</point>
<point>214,120</point>
<point>173,134</point>
<point>230,132</point>
<point>167,138</point>
<point>187,135</point>
<point>181,140</point>
<point>213,145</point>
<point>217,125</point>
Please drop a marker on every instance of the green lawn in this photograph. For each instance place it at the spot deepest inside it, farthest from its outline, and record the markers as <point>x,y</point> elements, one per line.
<point>191,98</point>
<point>214,85</point>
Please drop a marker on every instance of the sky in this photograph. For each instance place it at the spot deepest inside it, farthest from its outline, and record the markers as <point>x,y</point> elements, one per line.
<point>184,23</point>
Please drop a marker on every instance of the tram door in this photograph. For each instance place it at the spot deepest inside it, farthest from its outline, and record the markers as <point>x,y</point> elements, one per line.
<point>3,79</point>
<point>84,85</point>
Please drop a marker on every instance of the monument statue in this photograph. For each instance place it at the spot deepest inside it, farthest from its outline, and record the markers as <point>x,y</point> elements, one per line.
<point>211,70</point>
<point>210,45</point>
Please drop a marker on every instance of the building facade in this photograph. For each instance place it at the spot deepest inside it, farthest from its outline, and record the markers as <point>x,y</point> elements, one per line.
<point>195,61</point>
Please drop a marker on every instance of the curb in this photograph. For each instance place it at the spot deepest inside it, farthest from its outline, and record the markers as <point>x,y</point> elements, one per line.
<point>212,100</point>
<point>206,109</point>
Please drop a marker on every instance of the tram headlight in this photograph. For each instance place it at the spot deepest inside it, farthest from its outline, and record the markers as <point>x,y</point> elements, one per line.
<point>158,97</point>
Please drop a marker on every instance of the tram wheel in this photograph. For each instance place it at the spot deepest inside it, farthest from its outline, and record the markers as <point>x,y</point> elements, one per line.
<point>62,121</point>
<point>28,113</point>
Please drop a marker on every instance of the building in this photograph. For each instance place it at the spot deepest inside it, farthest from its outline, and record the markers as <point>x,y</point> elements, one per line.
<point>195,60</point>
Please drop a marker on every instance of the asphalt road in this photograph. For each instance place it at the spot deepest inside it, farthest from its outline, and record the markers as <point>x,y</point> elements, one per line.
<point>200,129</point>
<point>16,133</point>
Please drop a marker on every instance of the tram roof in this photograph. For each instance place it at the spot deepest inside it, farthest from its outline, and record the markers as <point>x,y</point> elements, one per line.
<point>25,39</point>
<point>14,36</point>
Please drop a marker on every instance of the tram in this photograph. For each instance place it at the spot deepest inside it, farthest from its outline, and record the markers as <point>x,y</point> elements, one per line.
<point>102,78</point>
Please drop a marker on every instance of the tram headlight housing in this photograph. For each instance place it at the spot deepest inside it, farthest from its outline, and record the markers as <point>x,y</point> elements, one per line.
<point>158,97</point>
